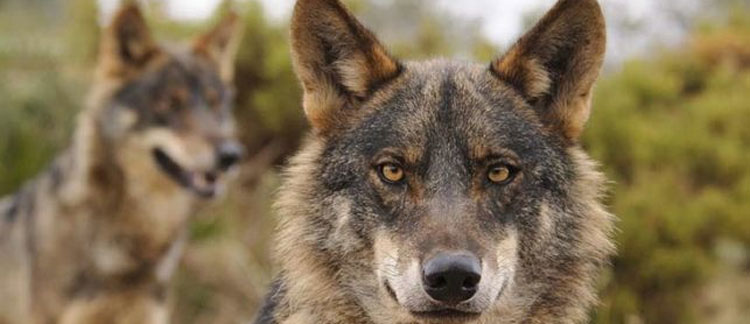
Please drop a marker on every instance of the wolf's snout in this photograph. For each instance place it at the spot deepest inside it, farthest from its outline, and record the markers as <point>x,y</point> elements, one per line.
<point>451,277</point>
<point>229,153</point>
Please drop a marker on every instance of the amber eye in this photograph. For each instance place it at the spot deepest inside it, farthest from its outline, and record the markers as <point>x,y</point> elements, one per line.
<point>392,173</point>
<point>500,174</point>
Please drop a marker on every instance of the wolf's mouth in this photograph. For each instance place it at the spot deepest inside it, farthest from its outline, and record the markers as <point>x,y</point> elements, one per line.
<point>204,184</point>
<point>447,314</point>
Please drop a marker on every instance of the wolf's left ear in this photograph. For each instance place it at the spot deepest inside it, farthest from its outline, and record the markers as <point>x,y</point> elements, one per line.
<point>220,45</point>
<point>339,62</point>
<point>554,66</point>
<point>126,44</point>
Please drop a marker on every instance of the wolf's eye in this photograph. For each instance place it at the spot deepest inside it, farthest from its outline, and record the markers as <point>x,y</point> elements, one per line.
<point>391,173</point>
<point>500,174</point>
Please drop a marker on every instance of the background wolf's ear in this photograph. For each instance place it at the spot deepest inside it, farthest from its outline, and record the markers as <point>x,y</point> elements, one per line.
<point>554,65</point>
<point>338,61</point>
<point>220,45</point>
<point>127,43</point>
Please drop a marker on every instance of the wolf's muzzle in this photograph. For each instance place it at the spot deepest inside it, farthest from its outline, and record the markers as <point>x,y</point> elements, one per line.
<point>229,154</point>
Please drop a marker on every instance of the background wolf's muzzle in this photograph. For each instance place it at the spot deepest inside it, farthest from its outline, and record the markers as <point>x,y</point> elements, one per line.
<point>229,153</point>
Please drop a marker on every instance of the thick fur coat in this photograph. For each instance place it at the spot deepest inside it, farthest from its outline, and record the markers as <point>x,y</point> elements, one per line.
<point>418,173</point>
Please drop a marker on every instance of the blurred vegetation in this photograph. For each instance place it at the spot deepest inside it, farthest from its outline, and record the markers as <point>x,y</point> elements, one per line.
<point>672,130</point>
<point>673,133</point>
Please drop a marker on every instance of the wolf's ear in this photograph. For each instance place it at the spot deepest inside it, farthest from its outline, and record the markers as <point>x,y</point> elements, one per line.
<point>554,66</point>
<point>338,61</point>
<point>220,45</point>
<point>127,44</point>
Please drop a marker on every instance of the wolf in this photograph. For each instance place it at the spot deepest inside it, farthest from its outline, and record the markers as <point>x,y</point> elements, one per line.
<point>441,191</point>
<point>95,238</point>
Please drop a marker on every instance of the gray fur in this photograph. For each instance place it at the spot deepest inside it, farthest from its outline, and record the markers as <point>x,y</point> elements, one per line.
<point>350,244</point>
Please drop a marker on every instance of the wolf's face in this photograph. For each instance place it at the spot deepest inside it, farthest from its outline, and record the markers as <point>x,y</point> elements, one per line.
<point>454,178</point>
<point>442,175</point>
<point>168,111</point>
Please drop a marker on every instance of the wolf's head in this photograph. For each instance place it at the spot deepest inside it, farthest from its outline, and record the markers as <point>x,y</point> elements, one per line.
<point>447,192</point>
<point>165,113</point>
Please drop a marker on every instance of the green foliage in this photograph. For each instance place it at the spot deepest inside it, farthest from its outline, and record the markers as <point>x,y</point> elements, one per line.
<point>39,102</point>
<point>672,132</point>
<point>81,35</point>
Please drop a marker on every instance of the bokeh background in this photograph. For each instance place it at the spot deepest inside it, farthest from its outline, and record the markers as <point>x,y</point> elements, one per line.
<point>671,126</point>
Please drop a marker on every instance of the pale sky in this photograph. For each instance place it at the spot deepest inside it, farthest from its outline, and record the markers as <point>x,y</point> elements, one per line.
<point>501,19</point>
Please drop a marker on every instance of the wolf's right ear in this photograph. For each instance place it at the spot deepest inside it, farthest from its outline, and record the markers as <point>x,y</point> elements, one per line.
<point>126,44</point>
<point>338,61</point>
<point>220,45</point>
<point>554,65</point>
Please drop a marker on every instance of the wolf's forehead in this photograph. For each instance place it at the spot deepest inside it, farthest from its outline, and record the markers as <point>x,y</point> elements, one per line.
<point>187,70</point>
<point>450,108</point>
<point>177,73</point>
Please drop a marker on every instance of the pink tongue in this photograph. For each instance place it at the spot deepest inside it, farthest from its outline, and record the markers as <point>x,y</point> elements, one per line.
<point>202,182</point>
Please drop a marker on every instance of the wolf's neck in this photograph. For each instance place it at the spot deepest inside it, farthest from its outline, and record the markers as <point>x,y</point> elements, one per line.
<point>88,170</point>
<point>97,186</point>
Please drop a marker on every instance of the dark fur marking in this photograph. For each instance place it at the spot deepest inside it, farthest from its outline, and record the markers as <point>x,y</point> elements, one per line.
<point>447,146</point>
<point>56,176</point>
<point>268,309</point>
<point>83,286</point>
<point>160,293</point>
<point>27,203</point>
<point>359,219</point>
<point>12,213</point>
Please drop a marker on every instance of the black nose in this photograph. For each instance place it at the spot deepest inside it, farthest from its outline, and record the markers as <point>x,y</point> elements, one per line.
<point>229,154</point>
<point>451,277</point>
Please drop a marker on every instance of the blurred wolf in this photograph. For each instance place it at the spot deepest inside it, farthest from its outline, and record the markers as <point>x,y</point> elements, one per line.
<point>442,191</point>
<point>96,238</point>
